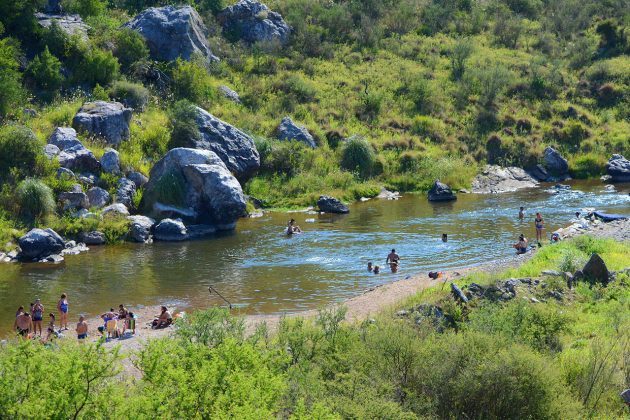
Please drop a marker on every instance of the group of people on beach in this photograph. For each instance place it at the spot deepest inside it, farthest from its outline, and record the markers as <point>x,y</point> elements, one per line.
<point>29,323</point>
<point>522,244</point>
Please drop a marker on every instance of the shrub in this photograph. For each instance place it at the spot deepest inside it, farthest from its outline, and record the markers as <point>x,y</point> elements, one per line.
<point>34,200</point>
<point>11,93</point>
<point>130,94</point>
<point>420,93</point>
<point>507,31</point>
<point>45,72</point>
<point>20,152</point>
<point>429,127</point>
<point>190,80</point>
<point>357,155</point>
<point>492,82</point>
<point>130,48</point>
<point>170,189</point>
<point>99,93</point>
<point>461,51</point>
<point>85,8</point>
<point>587,166</point>
<point>97,67</point>
<point>297,88</point>
<point>184,127</point>
<point>370,105</point>
<point>571,260</point>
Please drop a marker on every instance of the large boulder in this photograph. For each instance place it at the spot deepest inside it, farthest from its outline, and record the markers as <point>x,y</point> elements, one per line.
<point>140,228</point>
<point>618,167</point>
<point>329,204</point>
<point>288,130</point>
<point>230,94</point>
<point>595,270</point>
<point>497,179</point>
<point>64,145</point>
<point>109,120</point>
<point>72,200</point>
<point>252,22</point>
<point>40,243</point>
<point>235,148</point>
<point>170,230</point>
<point>110,161</point>
<point>172,32</point>
<point>200,189</point>
<point>555,162</point>
<point>98,197</point>
<point>441,192</point>
<point>116,209</point>
<point>125,192</point>
<point>70,24</point>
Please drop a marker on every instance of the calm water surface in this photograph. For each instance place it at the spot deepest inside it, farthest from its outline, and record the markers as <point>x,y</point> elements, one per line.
<point>261,270</point>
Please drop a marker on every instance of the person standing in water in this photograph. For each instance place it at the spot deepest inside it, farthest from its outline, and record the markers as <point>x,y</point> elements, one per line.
<point>521,213</point>
<point>62,307</point>
<point>293,228</point>
<point>444,237</point>
<point>393,260</point>
<point>539,223</point>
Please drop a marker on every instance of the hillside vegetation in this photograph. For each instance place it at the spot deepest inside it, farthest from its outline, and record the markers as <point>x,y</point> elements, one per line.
<point>395,93</point>
<point>546,359</point>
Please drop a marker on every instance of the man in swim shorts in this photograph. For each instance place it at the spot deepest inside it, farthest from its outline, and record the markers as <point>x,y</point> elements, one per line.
<point>82,328</point>
<point>23,324</point>
<point>393,260</point>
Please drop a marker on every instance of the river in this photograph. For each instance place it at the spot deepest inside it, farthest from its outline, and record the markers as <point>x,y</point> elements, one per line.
<point>261,270</point>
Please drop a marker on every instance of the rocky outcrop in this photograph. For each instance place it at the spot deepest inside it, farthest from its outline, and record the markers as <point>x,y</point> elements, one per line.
<point>230,94</point>
<point>70,24</point>
<point>235,148</point>
<point>555,163</point>
<point>329,204</point>
<point>116,209</point>
<point>110,161</point>
<point>140,228</point>
<point>108,120</point>
<point>210,194</point>
<point>125,192</point>
<point>98,197</point>
<point>172,32</point>
<point>92,238</point>
<point>38,244</point>
<point>441,192</point>
<point>288,130</point>
<point>497,179</point>
<point>170,230</point>
<point>64,145</point>
<point>618,167</point>
<point>252,22</point>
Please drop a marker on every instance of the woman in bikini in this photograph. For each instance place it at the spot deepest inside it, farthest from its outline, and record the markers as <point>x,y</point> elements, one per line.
<point>37,312</point>
<point>62,307</point>
<point>540,225</point>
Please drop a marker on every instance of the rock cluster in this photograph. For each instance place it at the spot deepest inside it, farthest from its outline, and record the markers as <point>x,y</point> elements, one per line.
<point>497,179</point>
<point>172,32</point>
<point>618,168</point>
<point>252,22</point>
<point>329,204</point>
<point>65,146</point>
<point>108,120</point>
<point>70,24</point>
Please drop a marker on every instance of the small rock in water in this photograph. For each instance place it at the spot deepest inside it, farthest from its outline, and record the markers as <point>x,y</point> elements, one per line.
<point>364,199</point>
<point>310,220</point>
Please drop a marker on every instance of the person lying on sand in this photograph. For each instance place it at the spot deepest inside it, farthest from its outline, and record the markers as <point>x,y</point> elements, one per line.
<point>163,320</point>
<point>521,245</point>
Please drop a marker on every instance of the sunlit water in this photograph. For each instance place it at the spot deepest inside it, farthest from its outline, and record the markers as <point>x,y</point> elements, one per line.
<point>261,270</point>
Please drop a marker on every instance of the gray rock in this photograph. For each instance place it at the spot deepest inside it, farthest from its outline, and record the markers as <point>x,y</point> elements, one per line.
<point>125,192</point>
<point>441,192</point>
<point>92,238</point>
<point>595,270</point>
<point>110,162</point>
<point>539,173</point>
<point>98,197</point>
<point>235,148</point>
<point>53,259</point>
<point>116,209</point>
<point>140,228</point>
<point>211,195</point>
<point>554,162</point>
<point>70,24</point>
<point>402,313</point>
<point>230,94</point>
<point>65,173</point>
<point>40,243</point>
<point>288,130</point>
<point>72,154</point>
<point>172,32</point>
<point>51,151</point>
<point>388,195</point>
<point>200,231</point>
<point>458,294</point>
<point>53,6</point>
<point>109,120</point>
<point>170,230</point>
<point>137,178</point>
<point>74,200</point>
<point>329,204</point>
<point>497,179</point>
<point>252,22</point>
<point>618,167</point>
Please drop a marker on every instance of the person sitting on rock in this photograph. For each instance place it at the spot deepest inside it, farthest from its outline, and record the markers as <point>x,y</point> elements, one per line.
<point>163,320</point>
<point>293,228</point>
<point>521,245</point>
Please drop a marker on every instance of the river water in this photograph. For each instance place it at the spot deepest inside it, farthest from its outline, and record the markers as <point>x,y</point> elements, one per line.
<point>261,270</point>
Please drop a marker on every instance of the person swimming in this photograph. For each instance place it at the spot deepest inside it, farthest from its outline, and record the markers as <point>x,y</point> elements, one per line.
<point>377,269</point>
<point>444,237</point>
<point>521,245</point>
<point>370,266</point>
<point>293,228</point>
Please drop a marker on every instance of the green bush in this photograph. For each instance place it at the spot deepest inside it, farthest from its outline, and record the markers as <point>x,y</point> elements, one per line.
<point>85,8</point>
<point>459,56</point>
<point>429,127</point>
<point>97,67</point>
<point>587,166</point>
<point>370,105</point>
<point>190,80</point>
<point>357,155</point>
<point>130,48</point>
<point>34,200</point>
<point>11,94</point>
<point>184,131</point>
<point>45,72</point>
<point>130,94</point>
<point>20,153</point>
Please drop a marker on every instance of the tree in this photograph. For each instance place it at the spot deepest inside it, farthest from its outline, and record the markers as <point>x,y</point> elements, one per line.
<point>11,91</point>
<point>45,72</point>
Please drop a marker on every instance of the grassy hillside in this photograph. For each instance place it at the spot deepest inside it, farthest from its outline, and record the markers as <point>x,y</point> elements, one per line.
<point>424,89</point>
<point>565,358</point>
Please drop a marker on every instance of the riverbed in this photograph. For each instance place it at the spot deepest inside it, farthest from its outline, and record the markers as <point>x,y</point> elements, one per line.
<point>261,270</point>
